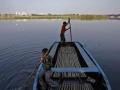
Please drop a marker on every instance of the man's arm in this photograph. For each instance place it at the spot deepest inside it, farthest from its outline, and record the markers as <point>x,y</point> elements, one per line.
<point>68,27</point>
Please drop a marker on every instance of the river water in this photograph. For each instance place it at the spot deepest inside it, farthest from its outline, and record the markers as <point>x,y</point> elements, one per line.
<point>21,42</point>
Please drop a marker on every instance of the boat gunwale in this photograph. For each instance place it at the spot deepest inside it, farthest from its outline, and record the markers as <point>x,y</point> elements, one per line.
<point>97,65</point>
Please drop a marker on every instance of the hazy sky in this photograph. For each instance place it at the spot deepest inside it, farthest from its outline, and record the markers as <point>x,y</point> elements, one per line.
<point>61,6</point>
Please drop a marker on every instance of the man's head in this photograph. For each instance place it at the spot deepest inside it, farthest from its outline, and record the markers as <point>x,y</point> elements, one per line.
<point>64,23</point>
<point>44,50</point>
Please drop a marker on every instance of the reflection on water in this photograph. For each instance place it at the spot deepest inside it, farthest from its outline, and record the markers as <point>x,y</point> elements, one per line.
<point>21,43</point>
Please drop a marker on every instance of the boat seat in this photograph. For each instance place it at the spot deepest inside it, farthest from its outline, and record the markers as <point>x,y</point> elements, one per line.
<point>74,69</point>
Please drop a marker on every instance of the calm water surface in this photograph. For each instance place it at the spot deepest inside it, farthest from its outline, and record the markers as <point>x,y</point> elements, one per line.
<point>21,42</point>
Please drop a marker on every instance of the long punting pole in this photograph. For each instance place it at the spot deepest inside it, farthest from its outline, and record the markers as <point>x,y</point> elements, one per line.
<point>70,29</point>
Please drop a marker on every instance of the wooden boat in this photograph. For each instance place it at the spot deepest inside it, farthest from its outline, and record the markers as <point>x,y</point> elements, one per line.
<point>74,69</point>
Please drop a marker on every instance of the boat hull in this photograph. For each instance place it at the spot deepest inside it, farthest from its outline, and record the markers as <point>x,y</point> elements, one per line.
<point>74,68</point>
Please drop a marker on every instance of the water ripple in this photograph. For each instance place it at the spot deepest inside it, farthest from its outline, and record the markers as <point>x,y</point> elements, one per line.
<point>16,63</point>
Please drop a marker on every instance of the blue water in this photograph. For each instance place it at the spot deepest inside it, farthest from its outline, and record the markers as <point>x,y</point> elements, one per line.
<point>21,42</point>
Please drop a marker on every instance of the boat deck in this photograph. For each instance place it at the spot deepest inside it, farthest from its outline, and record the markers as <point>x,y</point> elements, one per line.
<point>73,85</point>
<point>67,57</point>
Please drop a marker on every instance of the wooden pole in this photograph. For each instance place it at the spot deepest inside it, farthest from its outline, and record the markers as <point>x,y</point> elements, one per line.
<point>70,29</point>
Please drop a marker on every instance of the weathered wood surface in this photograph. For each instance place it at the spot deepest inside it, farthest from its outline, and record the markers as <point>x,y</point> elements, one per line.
<point>67,57</point>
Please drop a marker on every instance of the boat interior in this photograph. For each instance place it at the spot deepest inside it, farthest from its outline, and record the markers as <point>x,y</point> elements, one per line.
<point>73,68</point>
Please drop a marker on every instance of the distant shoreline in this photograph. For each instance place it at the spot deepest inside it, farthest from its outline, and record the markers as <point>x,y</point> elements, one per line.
<point>64,16</point>
<point>35,16</point>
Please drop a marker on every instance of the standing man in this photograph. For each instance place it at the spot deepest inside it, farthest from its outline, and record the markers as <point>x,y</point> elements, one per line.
<point>63,29</point>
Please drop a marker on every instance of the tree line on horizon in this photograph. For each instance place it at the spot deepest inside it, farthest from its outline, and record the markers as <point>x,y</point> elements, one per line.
<point>53,16</point>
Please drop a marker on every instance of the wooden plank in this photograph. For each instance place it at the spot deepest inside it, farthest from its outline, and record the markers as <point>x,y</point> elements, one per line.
<point>72,85</point>
<point>75,69</point>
